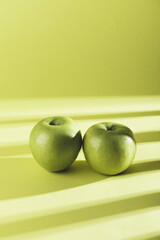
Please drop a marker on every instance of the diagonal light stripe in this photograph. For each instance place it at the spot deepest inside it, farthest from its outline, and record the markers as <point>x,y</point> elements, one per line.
<point>119,187</point>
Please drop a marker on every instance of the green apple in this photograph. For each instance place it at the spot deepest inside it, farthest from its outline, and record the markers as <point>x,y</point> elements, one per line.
<point>109,147</point>
<point>55,142</point>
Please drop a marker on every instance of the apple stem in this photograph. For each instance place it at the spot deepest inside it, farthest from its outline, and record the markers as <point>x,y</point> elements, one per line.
<point>53,123</point>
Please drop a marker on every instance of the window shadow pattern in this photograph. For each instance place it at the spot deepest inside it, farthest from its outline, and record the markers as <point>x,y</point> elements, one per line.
<point>26,172</point>
<point>83,175</point>
<point>99,210</point>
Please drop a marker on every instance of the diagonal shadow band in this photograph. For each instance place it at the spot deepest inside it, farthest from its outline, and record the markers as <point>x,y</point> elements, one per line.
<point>151,136</point>
<point>148,236</point>
<point>38,181</point>
<point>117,115</point>
<point>142,167</point>
<point>88,116</point>
<point>78,174</point>
<point>153,238</point>
<point>99,210</point>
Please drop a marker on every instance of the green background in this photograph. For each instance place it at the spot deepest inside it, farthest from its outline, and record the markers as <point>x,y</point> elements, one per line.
<point>79,48</point>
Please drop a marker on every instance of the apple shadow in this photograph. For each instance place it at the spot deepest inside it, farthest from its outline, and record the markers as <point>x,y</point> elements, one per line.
<point>15,173</point>
<point>23,177</point>
<point>99,210</point>
<point>89,116</point>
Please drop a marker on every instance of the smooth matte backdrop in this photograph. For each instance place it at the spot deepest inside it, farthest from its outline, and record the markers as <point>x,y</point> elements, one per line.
<point>55,48</point>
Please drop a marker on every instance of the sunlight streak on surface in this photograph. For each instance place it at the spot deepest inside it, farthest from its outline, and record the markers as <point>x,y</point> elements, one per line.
<point>107,189</point>
<point>126,225</point>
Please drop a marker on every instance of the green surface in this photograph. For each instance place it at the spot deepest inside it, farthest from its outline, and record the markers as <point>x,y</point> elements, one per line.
<point>62,48</point>
<point>79,203</point>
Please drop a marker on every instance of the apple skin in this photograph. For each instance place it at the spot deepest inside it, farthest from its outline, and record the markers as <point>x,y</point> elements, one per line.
<point>55,142</point>
<point>109,147</point>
